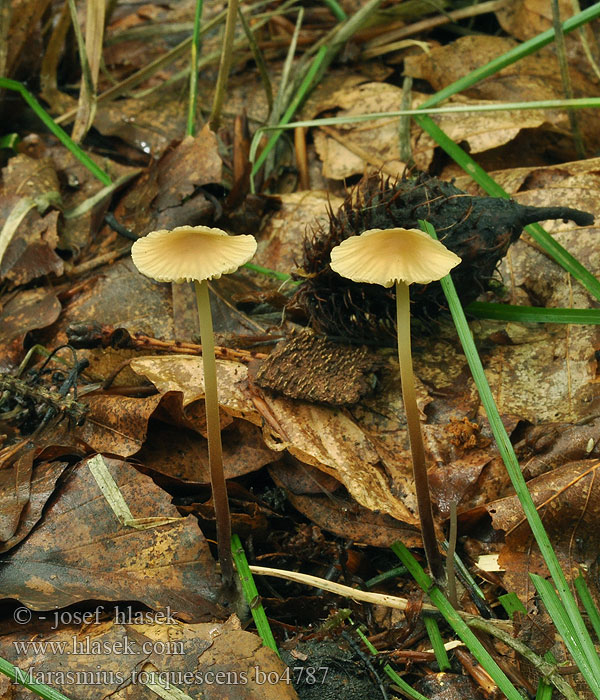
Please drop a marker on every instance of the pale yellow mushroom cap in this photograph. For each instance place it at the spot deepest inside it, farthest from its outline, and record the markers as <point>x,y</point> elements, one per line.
<point>386,256</point>
<point>189,253</point>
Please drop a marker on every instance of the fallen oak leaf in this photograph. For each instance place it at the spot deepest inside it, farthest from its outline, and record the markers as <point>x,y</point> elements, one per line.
<point>80,551</point>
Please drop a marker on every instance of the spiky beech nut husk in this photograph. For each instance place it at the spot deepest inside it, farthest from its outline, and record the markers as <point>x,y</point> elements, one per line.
<point>478,229</point>
<point>312,368</point>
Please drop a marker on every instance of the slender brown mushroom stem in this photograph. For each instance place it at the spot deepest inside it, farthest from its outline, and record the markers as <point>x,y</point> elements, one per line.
<point>213,428</point>
<point>434,558</point>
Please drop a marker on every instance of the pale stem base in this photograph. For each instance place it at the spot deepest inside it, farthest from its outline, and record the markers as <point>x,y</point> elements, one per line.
<point>213,429</point>
<point>409,395</point>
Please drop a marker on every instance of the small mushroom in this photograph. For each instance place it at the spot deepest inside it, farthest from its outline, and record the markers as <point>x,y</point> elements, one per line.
<point>199,254</point>
<point>402,256</point>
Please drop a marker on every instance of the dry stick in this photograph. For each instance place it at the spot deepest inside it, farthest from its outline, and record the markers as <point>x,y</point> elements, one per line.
<point>432,552</point>
<point>213,429</point>
<point>452,597</point>
<point>104,259</point>
<point>404,123</point>
<point>561,51</point>
<point>225,65</point>
<point>501,629</point>
<point>584,40</point>
<point>367,156</point>
<point>426,24</point>
<point>301,157</point>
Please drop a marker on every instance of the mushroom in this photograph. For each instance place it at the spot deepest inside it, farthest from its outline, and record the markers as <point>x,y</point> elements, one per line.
<point>199,254</point>
<point>402,256</point>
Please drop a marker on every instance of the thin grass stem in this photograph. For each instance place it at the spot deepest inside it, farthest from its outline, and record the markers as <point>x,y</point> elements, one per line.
<point>53,127</point>
<point>583,640</point>
<point>225,66</point>
<point>195,52</point>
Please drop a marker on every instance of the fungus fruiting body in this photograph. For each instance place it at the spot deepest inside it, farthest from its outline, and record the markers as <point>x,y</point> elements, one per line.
<point>199,254</point>
<point>478,229</point>
<point>399,257</point>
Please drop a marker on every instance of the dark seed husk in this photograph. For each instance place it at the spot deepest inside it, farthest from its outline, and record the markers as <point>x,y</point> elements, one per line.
<point>312,368</point>
<point>478,229</point>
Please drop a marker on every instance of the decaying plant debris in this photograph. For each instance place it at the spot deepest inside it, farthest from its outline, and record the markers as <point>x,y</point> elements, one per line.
<point>315,443</point>
<point>478,229</point>
<point>316,369</point>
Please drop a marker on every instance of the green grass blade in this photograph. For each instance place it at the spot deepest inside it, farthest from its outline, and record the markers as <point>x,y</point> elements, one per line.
<point>283,276</point>
<point>391,673</point>
<point>19,677</point>
<point>544,689</point>
<point>258,59</point>
<point>251,594</point>
<point>190,129</point>
<point>293,106</point>
<point>576,103</point>
<point>10,141</point>
<point>512,604</point>
<point>336,10</point>
<point>562,622</point>
<point>588,603</point>
<point>397,571</point>
<point>60,134</point>
<point>435,637</point>
<point>525,49</point>
<point>456,622</point>
<point>465,574</point>
<point>402,684</point>
<point>532,314</point>
<point>280,99</point>
<point>514,471</point>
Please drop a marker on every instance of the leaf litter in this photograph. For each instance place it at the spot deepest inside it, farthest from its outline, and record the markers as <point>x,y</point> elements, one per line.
<point>345,468</point>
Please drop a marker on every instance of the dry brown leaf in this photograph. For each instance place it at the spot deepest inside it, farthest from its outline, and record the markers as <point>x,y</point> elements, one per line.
<point>80,551</point>
<point>24,35</point>
<point>27,481</point>
<point>482,131</point>
<point>75,231</point>
<point>43,481</point>
<point>568,499</point>
<point>15,485</point>
<point>183,454</point>
<point>280,245</point>
<point>535,77</point>
<point>324,502</point>
<point>547,373</point>
<point>30,188</point>
<point>27,310</point>
<point>110,658</point>
<point>194,162</point>
<point>31,253</point>
<point>546,378</point>
<point>117,424</point>
<point>148,123</point>
<point>527,18</point>
<point>379,138</point>
<point>184,373</point>
<point>366,449</point>
<point>547,446</point>
<point>324,437</point>
<point>124,298</point>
